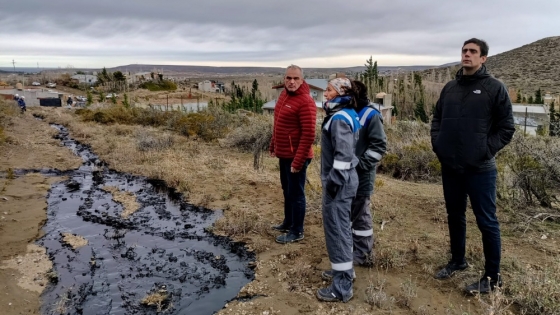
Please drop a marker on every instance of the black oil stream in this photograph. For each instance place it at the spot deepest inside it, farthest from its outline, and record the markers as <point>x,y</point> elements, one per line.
<point>162,248</point>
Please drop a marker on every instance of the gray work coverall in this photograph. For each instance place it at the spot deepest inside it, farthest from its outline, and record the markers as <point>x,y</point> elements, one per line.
<point>370,148</point>
<point>340,133</point>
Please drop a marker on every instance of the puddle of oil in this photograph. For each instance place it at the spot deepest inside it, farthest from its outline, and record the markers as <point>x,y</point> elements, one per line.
<point>163,247</point>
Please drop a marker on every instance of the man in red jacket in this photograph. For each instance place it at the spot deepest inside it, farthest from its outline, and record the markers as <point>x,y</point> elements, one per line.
<point>292,136</point>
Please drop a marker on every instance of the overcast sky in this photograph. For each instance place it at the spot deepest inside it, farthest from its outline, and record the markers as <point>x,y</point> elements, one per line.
<point>92,34</point>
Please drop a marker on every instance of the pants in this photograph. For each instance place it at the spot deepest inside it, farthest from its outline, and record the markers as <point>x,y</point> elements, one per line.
<point>362,225</point>
<point>338,235</point>
<point>362,228</point>
<point>481,189</point>
<point>293,186</point>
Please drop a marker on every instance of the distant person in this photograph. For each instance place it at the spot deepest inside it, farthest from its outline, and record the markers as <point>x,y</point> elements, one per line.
<point>69,101</point>
<point>21,104</point>
<point>472,121</point>
<point>293,134</point>
<point>339,135</point>
<point>16,97</point>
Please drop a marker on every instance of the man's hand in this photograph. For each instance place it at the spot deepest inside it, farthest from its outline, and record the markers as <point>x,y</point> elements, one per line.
<point>272,154</point>
<point>294,170</point>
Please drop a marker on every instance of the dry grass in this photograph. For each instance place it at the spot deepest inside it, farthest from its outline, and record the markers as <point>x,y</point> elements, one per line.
<point>157,299</point>
<point>76,241</point>
<point>377,296</point>
<point>126,198</point>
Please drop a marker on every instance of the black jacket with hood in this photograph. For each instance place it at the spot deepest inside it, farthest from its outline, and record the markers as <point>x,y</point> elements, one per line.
<point>472,121</point>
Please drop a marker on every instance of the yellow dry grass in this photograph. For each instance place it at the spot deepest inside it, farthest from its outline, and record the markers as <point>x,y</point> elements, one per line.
<point>126,198</point>
<point>76,241</point>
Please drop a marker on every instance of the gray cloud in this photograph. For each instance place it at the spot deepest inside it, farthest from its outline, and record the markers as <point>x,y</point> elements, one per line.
<point>322,33</point>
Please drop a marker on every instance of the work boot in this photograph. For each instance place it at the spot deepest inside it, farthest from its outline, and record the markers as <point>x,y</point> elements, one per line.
<point>327,295</point>
<point>289,238</point>
<point>450,269</point>
<point>485,285</point>
<point>281,228</point>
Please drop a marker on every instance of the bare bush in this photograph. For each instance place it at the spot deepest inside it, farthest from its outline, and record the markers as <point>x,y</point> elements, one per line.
<point>409,155</point>
<point>537,290</point>
<point>530,171</point>
<point>147,141</point>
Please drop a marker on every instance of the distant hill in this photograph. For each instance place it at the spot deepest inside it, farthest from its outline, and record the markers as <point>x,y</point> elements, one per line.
<point>527,68</point>
<point>215,71</point>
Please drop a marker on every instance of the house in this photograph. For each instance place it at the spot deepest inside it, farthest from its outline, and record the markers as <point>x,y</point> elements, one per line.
<point>211,86</point>
<point>84,79</point>
<point>530,117</point>
<point>317,88</point>
<point>548,99</point>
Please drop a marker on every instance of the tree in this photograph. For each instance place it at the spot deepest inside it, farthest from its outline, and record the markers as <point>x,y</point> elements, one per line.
<point>119,76</point>
<point>518,100</point>
<point>101,97</point>
<point>89,98</point>
<point>530,100</point>
<point>114,99</point>
<point>420,111</point>
<point>370,77</point>
<point>538,97</point>
<point>554,121</point>
<point>125,102</point>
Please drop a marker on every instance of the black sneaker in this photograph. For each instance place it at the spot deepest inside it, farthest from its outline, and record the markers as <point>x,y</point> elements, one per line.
<point>327,275</point>
<point>485,285</point>
<point>289,238</point>
<point>281,228</point>
<point>327,295</point>
<point>450,269</point>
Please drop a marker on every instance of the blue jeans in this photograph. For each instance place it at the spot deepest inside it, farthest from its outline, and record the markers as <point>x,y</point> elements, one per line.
<point>293,186</point>
<point>481,189</point>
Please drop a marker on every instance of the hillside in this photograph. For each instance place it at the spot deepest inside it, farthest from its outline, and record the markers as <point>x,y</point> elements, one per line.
<point>530,67</point>
<point>526,68</point>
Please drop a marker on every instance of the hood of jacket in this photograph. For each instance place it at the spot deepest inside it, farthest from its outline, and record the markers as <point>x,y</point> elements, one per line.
<point>479,74</point>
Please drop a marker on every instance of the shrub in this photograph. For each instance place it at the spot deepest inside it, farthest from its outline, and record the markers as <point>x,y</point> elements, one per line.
<point>209,124</point>
<point>164,85</point>
<point>529,171</point>
<point>146,141</point>
<point>409,155</point>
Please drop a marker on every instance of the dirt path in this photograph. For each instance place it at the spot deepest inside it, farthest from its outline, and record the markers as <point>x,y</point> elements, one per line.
<point>23,265</point>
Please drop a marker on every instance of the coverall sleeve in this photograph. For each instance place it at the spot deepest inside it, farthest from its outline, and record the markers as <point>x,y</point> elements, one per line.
<point>377,144</point>
<point>342,138</point>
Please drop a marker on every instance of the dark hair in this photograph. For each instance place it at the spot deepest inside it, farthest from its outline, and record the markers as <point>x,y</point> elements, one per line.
<point>361,89</point>
<point>480,43</point>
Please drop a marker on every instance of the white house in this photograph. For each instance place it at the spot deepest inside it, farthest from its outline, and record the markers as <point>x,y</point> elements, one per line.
<point>85,78</point>
<point>211,86</point>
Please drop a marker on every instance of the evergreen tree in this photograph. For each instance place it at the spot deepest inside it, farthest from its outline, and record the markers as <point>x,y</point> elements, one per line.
<point>420,111</point>
<point>125,102</point>
<point>538,97</point>
<point>530,100</point>
<point>518,100</point>
<point>554,121</point>
<point>89,98</point>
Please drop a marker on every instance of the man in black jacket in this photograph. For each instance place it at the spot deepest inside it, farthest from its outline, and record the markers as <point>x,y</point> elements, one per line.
<point>472,121</point>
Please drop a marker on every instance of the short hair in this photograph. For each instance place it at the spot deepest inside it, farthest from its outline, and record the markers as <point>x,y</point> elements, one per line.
<point>295,67</point>
<point>480,43</point>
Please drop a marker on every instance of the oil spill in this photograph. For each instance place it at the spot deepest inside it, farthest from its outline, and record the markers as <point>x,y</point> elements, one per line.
<point>162,249</point>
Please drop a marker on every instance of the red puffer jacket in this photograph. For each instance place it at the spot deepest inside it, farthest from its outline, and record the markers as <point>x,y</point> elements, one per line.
<point>294,126</point>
